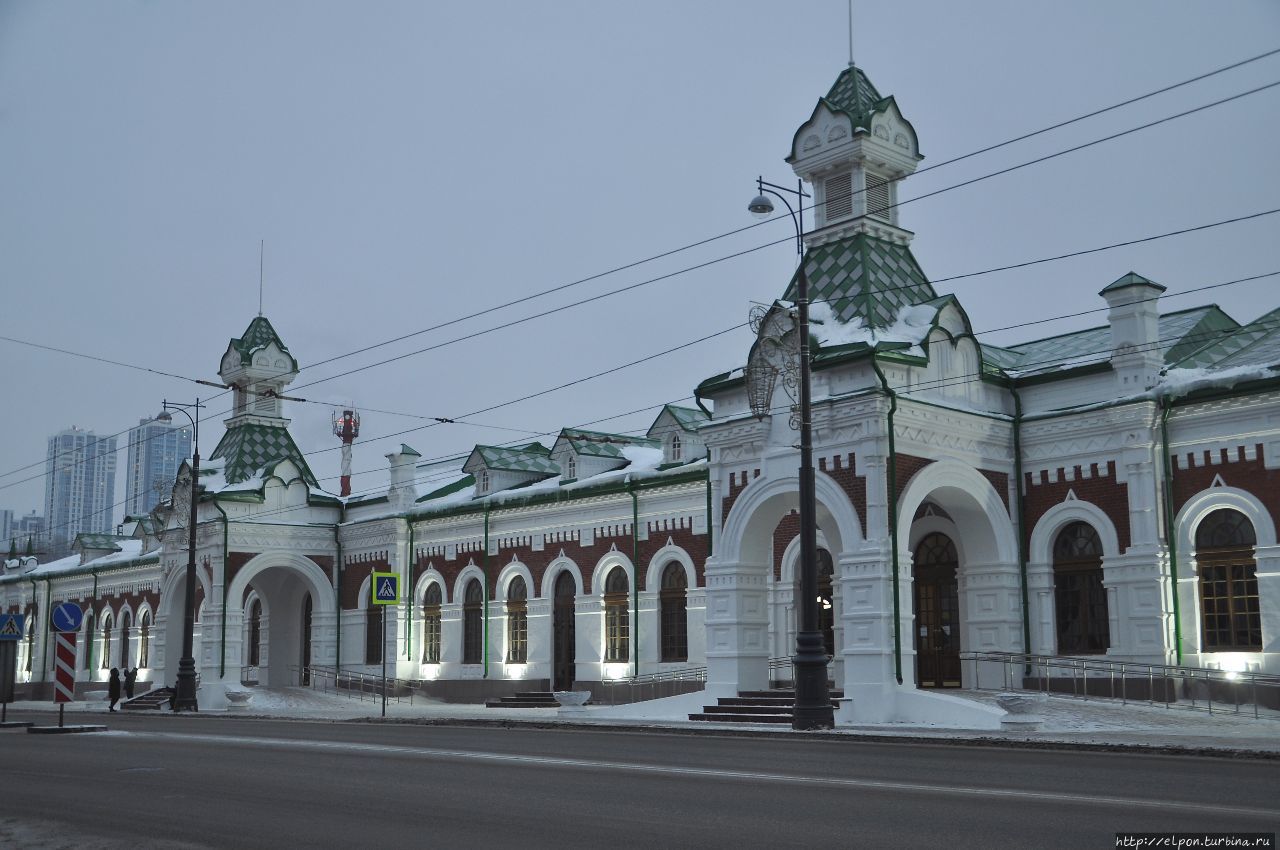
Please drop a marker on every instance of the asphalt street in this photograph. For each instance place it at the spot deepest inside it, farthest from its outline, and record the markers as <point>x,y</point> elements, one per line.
<point>165,781</point>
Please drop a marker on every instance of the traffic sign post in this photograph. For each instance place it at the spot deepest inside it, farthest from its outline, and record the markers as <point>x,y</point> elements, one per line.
<point>12,628</point>
<point>65,620</point>
<point>67,617</point>
<point>384,589</point>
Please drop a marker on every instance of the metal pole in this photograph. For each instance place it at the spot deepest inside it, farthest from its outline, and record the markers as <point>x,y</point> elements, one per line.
<point>185,697</point>
<point>813,701</point>
<point>384,661</point>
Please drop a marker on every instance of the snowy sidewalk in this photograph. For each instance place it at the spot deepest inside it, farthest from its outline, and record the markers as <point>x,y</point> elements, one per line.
<point>1066,720</point>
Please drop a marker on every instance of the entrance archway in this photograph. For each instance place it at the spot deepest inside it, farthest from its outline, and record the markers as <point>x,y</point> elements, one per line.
<point>965,509</point>
<point>740,574</point>
<point>298,604</point>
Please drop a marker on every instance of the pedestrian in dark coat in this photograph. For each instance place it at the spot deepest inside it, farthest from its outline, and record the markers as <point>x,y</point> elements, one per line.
<point>130,676</point>
<point>113,688</point>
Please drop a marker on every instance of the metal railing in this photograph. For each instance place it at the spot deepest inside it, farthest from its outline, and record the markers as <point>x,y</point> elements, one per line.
<point>353,683</point>
<point>1197,688</point>
<point>649,686</point>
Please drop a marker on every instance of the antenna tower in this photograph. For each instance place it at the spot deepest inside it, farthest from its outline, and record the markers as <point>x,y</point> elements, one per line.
<point>346,428</point>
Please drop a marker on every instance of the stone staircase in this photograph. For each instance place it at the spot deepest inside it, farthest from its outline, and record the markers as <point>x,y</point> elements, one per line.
<point>773,706</point>
<point>524,699</point>
<point>154,700</point>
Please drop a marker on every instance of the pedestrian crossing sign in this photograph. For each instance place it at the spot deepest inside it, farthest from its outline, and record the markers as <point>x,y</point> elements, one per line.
<point>386,588</point>
<point>12,626</point>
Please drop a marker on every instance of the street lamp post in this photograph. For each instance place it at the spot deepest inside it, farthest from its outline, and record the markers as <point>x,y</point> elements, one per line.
<point>813,700</point>
<point>185,699</point>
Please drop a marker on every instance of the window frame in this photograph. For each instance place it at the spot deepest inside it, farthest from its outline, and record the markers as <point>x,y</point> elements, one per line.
<point>673,614</point>
<point>1228,566</point>
<point>617,618</point>
<point>517,621</point>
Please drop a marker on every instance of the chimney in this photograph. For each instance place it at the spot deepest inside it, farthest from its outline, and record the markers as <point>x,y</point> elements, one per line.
<point>1134,317</point>
<point>402,492</point>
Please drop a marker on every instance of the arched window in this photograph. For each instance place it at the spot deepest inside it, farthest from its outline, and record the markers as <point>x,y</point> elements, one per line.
<point>482,481</point>
<point>255,633</point>
<point>617,645</point>
<point>1228,583</point>
<point>431,625</point>
<point>675,622</point>
<point>517,622</point>
<point>1080,600</point>
<point>473,623</point>
<point>87,638</point>
<point>106,643</point>
<point>374,634</point>
<point>676,449</point>
<point>144,640</point>
<point>571,467</point>
<point>125,649</point>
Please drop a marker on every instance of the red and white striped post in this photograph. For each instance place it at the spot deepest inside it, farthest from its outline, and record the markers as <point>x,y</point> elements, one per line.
<point>64,667</point>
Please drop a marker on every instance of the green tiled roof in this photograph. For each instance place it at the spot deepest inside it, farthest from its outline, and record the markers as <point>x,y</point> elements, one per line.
<point>533,457</point>
<point>461,484</point>
<point>1180,333</point>
<point>599,444</point>
<point>864,278</point>
<point>1257,343</point>
<point>248,448</point>
<point>99,541</point>
<point>853,93</point>
<point>258,335</point>
<point>688,418</point>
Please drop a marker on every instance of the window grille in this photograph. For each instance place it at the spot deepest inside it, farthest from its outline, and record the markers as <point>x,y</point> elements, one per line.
<point>1080,600</point>
<point>517,622</point>
<point>616,622</point>
<point>1230,610</point>
<point>431,625</point>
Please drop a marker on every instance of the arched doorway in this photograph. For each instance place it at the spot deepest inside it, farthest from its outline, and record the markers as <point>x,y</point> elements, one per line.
<point>826,602</point>
<point>937,612</point>
<point>564,638</point>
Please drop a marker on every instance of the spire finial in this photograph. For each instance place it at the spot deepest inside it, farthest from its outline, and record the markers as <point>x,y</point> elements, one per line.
<point>261,250</point>
<point>850,33</point>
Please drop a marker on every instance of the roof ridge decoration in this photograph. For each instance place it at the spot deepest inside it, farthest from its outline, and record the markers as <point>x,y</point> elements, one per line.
<point>258,335</point>
<point>853,93</point>
<point>864,278</point>
<point>1130,279</point>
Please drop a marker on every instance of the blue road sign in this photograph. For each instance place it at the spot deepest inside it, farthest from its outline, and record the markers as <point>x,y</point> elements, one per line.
<point>12,626</point>
<point>386,588</point>
<point>67,617</point>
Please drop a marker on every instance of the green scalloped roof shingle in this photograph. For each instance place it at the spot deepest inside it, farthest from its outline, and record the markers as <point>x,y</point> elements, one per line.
<point>864,278</point>
<point>688,418</point>
<point>1257,343</point>
<point>250,447</point>
<point>852,92</point>
<point>534,457</point>
<point>258,335</point>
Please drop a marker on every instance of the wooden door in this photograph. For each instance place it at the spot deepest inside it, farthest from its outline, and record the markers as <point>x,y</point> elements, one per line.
<point>564,637</point>
<point>937,608</point>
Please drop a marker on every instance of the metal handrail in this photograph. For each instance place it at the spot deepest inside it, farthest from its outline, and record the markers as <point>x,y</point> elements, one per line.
<point>1105,678</point>
<point>354,683</point>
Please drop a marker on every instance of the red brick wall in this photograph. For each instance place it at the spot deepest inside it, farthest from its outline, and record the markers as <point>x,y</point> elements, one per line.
<point>908,466</point>
<point>783,534</point>
<point>358,568</point>
<point>1105,492</point>
<point>1249,475</point>
<point>738,482</point>
<point>844,471</point>
<point>1000,481</point>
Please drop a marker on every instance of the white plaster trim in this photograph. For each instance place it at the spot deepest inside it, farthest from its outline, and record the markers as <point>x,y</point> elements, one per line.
<point>553,571</point>
<point>308,570</point>
<point>658,563</point>
<point>1061,515</point>
<point>952,474</point>
<point>510,571</point>
<point>761,491</point>
<point>607,563</point>
<point>430,576</point>
<point>469,572</point>
<point>1207,501</point>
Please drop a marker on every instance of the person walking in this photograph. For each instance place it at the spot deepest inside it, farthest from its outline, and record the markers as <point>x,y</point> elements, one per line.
<point>130,676</point>
<point>113,688</point>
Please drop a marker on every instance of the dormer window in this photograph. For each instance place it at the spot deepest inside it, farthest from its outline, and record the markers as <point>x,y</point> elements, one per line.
<point>676,448</point>
<point>878,203</point>
<point>837,194</point>
<point>571,468</point>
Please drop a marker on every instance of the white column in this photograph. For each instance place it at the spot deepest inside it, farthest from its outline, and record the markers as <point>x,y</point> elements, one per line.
<point>737,626</point>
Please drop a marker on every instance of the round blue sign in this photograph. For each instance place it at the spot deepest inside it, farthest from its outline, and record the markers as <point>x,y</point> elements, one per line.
<point>67,617</point>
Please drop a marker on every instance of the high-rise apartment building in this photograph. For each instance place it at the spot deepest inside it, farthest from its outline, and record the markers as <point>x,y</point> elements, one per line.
<point>156,447</point>
<point>79,484</point>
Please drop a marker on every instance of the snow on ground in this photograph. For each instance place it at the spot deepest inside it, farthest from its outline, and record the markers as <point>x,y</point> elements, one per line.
<point>1066,719</point>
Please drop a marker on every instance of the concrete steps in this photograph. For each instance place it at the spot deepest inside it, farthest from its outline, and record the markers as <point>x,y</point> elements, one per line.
<point>153,700</point>
<point>775,706</point>
<point>524,699</point>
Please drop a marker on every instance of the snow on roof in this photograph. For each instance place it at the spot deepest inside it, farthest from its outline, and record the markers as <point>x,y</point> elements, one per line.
<point>911,325</point>
<point>1180,382</point>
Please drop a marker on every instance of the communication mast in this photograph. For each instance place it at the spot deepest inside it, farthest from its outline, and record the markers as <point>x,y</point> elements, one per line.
<point>346,428</point>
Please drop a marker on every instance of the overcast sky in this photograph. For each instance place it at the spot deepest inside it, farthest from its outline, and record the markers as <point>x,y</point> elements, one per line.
<point>410,163</point>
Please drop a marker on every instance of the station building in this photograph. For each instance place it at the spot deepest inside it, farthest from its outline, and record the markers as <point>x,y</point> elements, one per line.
<point>1111,493</point>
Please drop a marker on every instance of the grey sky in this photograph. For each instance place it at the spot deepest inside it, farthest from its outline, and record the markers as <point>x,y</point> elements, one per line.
<point>408,163</point>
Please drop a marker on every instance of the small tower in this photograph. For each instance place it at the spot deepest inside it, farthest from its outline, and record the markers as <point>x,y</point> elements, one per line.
<point>346,428</point>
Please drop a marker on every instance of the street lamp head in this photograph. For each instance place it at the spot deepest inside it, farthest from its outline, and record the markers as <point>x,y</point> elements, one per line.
<point>761,207</point>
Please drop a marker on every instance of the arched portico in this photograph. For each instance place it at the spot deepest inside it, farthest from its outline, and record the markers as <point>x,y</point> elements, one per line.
<point>283,582</point>
<point>741,571</point>
<point>170,622</point>
<point>989,594</point>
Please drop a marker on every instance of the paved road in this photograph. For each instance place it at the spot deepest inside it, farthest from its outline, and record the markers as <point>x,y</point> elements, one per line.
<point>163,781</point>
